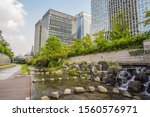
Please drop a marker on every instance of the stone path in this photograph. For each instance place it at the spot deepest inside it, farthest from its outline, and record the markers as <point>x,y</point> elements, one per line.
<point>9,72</point>
<point>15,89</point>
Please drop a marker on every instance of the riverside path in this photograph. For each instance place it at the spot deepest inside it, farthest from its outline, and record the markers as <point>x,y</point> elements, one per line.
<point>13,87</point>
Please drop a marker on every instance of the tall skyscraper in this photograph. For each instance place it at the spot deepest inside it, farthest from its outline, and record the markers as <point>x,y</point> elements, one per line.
<point>129,10</point>
<point>83,24</point>
<point>55,23</point>
<point>142,7</point>
<point>59,24</point>
<point>103,11</point>
<point>100,16</point>
<point>37,41</point>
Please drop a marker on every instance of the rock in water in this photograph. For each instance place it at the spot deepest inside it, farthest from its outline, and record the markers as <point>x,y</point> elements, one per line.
<point>55,95</point>
<point>45,98</point>
<point>135,86</point>
<point>148,88</point>
<point>97,79</point>
<point>79,89</point>
<point>127,94</point>
<point>104,64</point>
<point>67,92</point>
<point>102,89</point>
<point>91,88</point>
<point>115,90</point>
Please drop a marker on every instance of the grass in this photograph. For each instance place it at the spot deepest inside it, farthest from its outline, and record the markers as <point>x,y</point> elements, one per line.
<point>25,69</point>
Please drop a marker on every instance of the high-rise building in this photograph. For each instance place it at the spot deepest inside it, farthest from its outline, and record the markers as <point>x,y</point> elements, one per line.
<point>142,7</point>
<point>83,24</point>
<point>37,41</point>
<point>55,23</point>
<point>59,24</point>
<point>100,16</point>
<point>129,10</point>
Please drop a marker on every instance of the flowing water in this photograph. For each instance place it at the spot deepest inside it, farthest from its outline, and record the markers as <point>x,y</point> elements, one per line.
<point>45,85</point>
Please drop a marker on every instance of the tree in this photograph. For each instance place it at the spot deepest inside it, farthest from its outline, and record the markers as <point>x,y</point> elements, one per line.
<point>120,27</point>
<point>100,40</point>
<point>147,21</point>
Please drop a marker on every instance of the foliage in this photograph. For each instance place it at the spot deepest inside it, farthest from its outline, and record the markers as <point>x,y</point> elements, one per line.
<point>81,46</point>
<point>25,69</point>
<point>72,71</point>
<point>53,53</point>
<point>120,27</point>
<point>4,49</point>
<point>147,21</point>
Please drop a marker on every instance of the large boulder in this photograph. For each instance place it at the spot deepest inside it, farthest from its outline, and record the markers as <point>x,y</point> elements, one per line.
<point>148,88</point>
<point>110,79</point>
<point>135,86</point>
<point>102,89</point>
<point>104,65</point>
<point>113,71</point>
<point>142,77</point>
<point>79,90</point>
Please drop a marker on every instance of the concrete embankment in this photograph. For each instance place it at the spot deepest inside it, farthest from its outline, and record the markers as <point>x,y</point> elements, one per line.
<point>9,72</point>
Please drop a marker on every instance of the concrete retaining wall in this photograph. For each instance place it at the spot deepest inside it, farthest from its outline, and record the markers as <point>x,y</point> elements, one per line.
<point>4,59</point>
<point>120,56</point>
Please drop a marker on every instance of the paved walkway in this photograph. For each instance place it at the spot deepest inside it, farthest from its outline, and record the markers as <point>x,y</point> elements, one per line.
<point>9,72</point>
<point>15,89</point>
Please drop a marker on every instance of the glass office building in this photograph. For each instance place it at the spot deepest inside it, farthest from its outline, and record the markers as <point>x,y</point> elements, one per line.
<point>142,7</point>
<point>37,41</point>
<point>55,23</point>
<point>100,16</point>
<point>83,24</point>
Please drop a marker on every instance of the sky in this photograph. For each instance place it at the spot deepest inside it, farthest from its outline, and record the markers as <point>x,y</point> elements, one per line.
<point>18,19</point>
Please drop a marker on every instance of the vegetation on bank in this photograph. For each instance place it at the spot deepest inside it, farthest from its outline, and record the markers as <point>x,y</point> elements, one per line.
<point>53,53</point>
<point>5,49</point>
<point>25,69</point>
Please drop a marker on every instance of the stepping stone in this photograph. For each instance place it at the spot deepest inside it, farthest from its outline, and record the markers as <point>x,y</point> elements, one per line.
<point>91,88</point>
<point>79,89</point>
<point>97,79</point>
<point>127,94</point>
<point>102,89</point>
<point>83,78</point>
<point>137,97</point>
<point>75,78</point>
<point>55,95</point>
<point>45,98</point>
<point>28,98</point>
<point>116,90</point>
<point>67,92</point>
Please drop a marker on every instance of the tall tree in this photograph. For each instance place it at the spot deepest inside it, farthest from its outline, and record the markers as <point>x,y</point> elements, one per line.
<point>120,27</point>
<point>147,21</point>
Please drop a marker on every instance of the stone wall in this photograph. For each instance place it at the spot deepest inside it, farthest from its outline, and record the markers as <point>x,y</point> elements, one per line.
<point>4,59</point>
<point>120,56</point>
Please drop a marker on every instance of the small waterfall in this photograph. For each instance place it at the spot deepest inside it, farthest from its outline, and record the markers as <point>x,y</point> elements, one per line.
<point>124,87</point>
<point>146,88</point>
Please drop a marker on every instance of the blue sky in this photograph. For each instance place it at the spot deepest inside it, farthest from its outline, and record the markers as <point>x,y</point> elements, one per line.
<point>21,27</point>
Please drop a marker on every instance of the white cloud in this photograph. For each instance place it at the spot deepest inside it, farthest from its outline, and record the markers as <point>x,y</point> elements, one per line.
<point>12,14</point>
<point>12,24</point>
